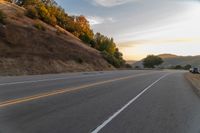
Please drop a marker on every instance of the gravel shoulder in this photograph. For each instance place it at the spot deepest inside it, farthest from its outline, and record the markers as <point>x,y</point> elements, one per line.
<point>194,79</point>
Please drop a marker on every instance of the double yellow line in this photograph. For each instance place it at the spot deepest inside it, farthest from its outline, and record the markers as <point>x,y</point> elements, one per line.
<point>61,91</point>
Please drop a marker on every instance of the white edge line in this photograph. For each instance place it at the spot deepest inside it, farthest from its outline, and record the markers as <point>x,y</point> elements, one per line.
<point>125,106</point>
<point>40,80</point>
<point>35,81</point>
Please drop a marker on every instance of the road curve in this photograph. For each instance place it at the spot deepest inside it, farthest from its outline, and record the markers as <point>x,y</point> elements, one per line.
<point>113,101</point>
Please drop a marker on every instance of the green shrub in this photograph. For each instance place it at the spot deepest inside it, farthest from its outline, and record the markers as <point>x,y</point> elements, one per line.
<point>128,66</point>
<point>45,16</point>
<point>85,38</point>
<point>2,17</point>
<point>39,26</point>
<point>52,20</point>
<point>111,59</point>
<point>32,13</point>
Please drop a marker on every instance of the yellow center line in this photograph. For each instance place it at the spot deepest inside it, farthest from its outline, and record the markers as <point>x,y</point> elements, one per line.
<point>61,91</point>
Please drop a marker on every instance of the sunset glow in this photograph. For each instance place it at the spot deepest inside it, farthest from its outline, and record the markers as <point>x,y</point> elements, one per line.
<point>142,27</point>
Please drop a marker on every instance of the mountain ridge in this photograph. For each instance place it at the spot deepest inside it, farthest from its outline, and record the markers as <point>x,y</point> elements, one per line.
<point>171,60</point>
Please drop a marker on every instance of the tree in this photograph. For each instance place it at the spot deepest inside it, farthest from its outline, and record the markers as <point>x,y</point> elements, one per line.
<point>187,67</point>
<point>103,43</point>
<point>151,61</point>
<point>32,12</point>
<point>178,67</point>
<point>83,27</point>
<point>49,12</point>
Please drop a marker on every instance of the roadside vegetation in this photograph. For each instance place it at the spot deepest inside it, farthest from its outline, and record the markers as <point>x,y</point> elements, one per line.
<point>2,17</point>
<point>49,12</point>
<point>151,61</point>
<point>180,67</point>
<point>39,26</point>
<point>194,79</point>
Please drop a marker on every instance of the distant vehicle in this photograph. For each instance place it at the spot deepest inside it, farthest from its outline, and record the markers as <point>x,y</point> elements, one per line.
<point>194,70</point>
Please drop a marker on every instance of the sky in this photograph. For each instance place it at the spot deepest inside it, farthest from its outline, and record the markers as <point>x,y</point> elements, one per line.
<point>143,27</point>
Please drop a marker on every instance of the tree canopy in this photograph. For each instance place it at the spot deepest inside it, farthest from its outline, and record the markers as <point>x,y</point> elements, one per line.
<point>151,61</point>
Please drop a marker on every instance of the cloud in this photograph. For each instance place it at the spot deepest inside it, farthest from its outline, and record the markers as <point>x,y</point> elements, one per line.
<point>159,41</point>
<point>110,3</point>
<point>95,20</point>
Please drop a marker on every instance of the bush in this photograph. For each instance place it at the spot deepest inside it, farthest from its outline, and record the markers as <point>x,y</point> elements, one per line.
<point>79,60</point>
<point>43,12</point>
<point>52,20</point>
<point>178,67</point>
<point>32,13</point>
<point>128,66</point>
<point>151,61</point>
<point>85,38</point>
<point>2,17</point>
<point>187,67</point>
<point>137,67</point>
<point>39,26</point>
<point>45,16</point>
<point>111,59</point>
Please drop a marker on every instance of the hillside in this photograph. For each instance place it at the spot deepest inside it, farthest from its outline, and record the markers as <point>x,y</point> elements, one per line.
<point>173,60</point>
<point>25,49</point>
<point>181,60</point>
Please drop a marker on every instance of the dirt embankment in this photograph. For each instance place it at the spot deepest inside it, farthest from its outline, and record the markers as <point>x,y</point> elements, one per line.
<point>194,79</point>
<point>25,49</point>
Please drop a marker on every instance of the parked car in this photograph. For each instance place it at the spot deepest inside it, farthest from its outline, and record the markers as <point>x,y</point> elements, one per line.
<point>194,70</point>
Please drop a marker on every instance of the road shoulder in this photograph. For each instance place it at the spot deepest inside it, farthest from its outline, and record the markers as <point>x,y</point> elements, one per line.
<point>194,80</point>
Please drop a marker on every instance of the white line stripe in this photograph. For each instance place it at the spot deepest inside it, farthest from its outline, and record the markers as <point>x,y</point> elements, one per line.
<point>41,80</point>
<point>125,106</point>
<point>35,81</point>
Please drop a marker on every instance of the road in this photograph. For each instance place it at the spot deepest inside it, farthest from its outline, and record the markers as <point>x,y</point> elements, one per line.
<point>105,102</point>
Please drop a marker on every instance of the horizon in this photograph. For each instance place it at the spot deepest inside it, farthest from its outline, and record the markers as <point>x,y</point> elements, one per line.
<point>167,54</point>
<point>143,27</point>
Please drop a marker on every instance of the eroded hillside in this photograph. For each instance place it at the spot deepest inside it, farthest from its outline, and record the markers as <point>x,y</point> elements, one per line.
<point>30,46</point>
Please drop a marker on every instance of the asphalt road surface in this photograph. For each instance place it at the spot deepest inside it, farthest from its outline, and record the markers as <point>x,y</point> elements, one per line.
<point>104,102</point>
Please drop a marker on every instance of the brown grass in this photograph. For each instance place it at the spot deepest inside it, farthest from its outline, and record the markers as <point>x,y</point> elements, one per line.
<point>27,50</point>
<point>194,80</point>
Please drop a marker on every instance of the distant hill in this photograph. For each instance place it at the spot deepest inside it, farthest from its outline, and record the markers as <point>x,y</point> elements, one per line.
<point>131,62</point>
<point>167,56</point>
<point>173,60</point>
<point>30,46</point>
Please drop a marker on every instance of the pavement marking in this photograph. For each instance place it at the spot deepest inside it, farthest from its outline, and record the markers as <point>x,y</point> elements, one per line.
<point>40,80</point>
<point>100,127</point>
<point>35,81</point>
<point>61,91</point>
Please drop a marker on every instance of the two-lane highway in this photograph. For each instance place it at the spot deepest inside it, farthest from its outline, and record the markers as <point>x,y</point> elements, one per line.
<point>118,102</point>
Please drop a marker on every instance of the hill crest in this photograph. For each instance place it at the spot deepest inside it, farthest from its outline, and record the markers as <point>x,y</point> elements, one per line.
<point>171,60</point>
<point>164,56</point>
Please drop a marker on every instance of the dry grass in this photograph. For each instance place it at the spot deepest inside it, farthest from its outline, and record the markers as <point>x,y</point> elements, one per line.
<point>194,80</point>
<point>27,50</point>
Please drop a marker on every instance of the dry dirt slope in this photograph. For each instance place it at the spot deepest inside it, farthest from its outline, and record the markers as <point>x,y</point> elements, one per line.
<point>27,50</point>
<point>194,80</point>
